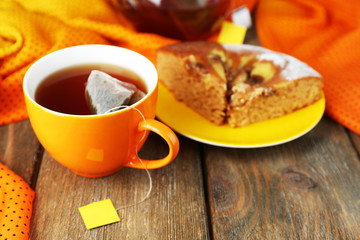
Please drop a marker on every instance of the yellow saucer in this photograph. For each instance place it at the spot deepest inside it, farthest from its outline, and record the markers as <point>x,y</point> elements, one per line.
<point>271,132</point>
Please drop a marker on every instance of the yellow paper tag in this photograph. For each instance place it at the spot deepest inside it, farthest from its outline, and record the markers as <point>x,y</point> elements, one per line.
<point>99,214</point>
<point>231,33</point>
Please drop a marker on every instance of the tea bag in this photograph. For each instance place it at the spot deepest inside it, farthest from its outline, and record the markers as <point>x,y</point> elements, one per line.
<point>104,93</point>
<point>138,94</point>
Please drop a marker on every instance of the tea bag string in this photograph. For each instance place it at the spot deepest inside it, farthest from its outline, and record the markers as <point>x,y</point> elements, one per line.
<point>136,149</point>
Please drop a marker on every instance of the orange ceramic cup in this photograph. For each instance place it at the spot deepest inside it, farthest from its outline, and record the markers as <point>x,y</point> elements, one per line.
<point>98,145</point>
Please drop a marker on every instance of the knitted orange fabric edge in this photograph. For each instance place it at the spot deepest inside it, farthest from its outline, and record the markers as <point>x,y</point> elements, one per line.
<point>16,200</point>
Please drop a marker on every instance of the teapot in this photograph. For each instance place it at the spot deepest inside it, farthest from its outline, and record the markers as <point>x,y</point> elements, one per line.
<point>179,19</point>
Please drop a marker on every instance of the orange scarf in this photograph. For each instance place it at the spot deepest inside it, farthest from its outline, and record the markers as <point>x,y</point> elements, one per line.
<point>16,199</point>
<point>326,35</point>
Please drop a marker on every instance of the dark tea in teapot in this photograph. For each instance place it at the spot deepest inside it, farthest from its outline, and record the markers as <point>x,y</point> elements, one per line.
<point>180,19</point>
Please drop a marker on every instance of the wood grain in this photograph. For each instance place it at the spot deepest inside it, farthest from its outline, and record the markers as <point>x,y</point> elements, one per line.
<point>356,141</point>
<point>305,189</point>
<point>174,210</point>
<point>20,149</point>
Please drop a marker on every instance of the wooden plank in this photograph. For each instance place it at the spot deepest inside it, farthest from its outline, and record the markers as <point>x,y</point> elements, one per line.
<point>305,189</point>
<point>356,141</point>
<point>20,149</point>
<point>174,210</point>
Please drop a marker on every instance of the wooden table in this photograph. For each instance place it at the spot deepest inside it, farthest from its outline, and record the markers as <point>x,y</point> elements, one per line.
<point>304,189</point>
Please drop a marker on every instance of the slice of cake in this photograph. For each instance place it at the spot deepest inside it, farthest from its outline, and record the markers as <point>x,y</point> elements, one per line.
<point>194,73</point>
<point>237,84</point>
<point>265,85</point>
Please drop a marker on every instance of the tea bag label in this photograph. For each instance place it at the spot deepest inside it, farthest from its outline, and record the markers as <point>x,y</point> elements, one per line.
<point>231,33</point>
<point>99,214</point>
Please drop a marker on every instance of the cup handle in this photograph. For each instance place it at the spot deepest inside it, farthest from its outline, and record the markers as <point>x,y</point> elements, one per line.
<point>167,134</point>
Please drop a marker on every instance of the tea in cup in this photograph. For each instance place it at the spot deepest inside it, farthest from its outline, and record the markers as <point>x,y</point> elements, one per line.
<point>94,145</point>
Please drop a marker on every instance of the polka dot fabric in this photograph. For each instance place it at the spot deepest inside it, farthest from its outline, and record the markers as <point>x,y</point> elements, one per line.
<point>16,199</point>
<point>326,35</point>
